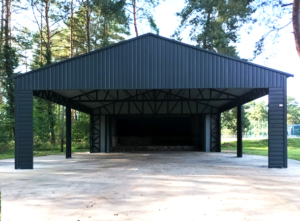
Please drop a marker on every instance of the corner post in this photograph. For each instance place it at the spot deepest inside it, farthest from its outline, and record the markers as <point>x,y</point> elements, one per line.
<point>277,126</point>
<point>23,128</point>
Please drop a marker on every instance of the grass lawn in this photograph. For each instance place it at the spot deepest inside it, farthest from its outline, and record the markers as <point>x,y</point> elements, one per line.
<point>43,150</point>
<point>260,147</point>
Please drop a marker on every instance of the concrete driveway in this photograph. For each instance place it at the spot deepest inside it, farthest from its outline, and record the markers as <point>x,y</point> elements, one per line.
<point>150,186</point>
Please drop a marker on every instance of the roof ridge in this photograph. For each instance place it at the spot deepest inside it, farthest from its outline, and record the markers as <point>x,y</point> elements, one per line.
<point>156,36</point>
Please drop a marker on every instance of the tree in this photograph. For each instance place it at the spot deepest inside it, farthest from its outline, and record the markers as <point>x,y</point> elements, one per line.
<point>214,24</point>
<point>141,10</point>
<point>293,111</point>
<point>9,62</point>
<point>258,115</point>
<point>270,14</point>
<point>108,24</point>
<point>229,120</point>
<point>296,24</point>
<point>51,13</point>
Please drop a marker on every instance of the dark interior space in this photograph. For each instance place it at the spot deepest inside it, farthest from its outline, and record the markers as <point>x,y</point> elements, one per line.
<point>154,131</point>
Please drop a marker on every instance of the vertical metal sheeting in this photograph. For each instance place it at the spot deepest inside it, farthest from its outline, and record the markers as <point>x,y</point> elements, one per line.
<point>23,128</point>
<point>277,128</point>
<point>149,62</point>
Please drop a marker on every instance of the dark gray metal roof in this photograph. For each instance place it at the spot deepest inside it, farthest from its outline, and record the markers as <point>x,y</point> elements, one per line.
<point>151,62</point>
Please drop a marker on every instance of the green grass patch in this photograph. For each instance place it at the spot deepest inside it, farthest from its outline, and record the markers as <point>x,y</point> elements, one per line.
<point>260,147</point>
<point>7,150</point>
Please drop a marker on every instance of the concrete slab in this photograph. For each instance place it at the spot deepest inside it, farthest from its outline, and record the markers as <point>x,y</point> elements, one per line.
<point>150,186</point>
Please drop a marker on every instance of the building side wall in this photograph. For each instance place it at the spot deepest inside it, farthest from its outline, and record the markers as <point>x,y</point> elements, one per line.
<point>23,128</point>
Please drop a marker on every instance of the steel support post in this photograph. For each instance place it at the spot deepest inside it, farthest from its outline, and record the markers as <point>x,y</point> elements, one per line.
<point>239,131</point>
<point>68,132</point>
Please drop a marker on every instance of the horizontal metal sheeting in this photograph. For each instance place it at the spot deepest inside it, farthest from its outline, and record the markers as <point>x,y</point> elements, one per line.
<point>149,62</point>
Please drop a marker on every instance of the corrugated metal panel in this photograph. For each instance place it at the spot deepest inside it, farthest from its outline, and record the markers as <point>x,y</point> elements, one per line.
<point>24,128</point>
<point>148,62</point>
<point>277,128</point>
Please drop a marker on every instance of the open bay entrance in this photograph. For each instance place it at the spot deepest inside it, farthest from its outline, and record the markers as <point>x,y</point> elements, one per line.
<point>146,133</point>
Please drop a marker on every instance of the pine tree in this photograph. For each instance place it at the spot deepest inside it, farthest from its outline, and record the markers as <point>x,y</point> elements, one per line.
<point>214,24</point>
<point>141,10</point>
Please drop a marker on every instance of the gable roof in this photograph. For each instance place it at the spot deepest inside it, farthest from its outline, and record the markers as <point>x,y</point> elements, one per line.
<point>162,62</point>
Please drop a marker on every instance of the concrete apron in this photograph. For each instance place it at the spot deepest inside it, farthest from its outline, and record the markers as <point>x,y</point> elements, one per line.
<point>150,186</point>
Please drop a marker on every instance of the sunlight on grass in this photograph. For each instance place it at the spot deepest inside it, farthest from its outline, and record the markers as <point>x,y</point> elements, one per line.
<point>44,150</point>
<point>260,147</point>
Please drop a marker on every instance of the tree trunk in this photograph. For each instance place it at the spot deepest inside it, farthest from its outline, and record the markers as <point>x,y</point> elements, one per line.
<point>62,129</point>
<point>296,24</point>
<point>50,112</point>
<point>41,39</point>
<point>6,29</point>
<point>49,61</point>
<point>72,30</point>
<point>48,46</point>
<point>2,25</point>
<point>1,41</point>
<point>88,25</point>
<point>134,18</point>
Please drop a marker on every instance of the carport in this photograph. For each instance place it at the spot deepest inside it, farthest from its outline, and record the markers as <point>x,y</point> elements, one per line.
<point>152,93</point>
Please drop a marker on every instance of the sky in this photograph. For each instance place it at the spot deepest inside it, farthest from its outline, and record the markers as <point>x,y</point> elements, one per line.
<point>283,57</point>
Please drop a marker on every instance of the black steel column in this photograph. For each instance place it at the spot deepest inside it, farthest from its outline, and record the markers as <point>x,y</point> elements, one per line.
<point>219,133</point>
<point>68,132</point>
<point>91,133</point>
<point>239,131</point>
<point>107,133</point>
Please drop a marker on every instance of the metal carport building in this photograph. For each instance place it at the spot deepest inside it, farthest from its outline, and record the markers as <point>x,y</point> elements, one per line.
<point>147,80</point>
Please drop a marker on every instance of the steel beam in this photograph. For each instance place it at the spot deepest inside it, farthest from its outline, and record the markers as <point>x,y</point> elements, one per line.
<point>245,98</point>
<point>61,100</point>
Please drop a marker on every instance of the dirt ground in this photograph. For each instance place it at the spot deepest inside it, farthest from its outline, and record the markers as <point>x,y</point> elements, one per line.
<point>150,186</point>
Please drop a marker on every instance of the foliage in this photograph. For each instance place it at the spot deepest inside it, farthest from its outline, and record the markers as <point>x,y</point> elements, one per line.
<point>293,110</point>
<point>9,62</point>
<point>274,16</point>
<point>142,10</point>
<point>229,120</point>
<point>214,24</point>
<point>81,128</point>
<point>108,25</point>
